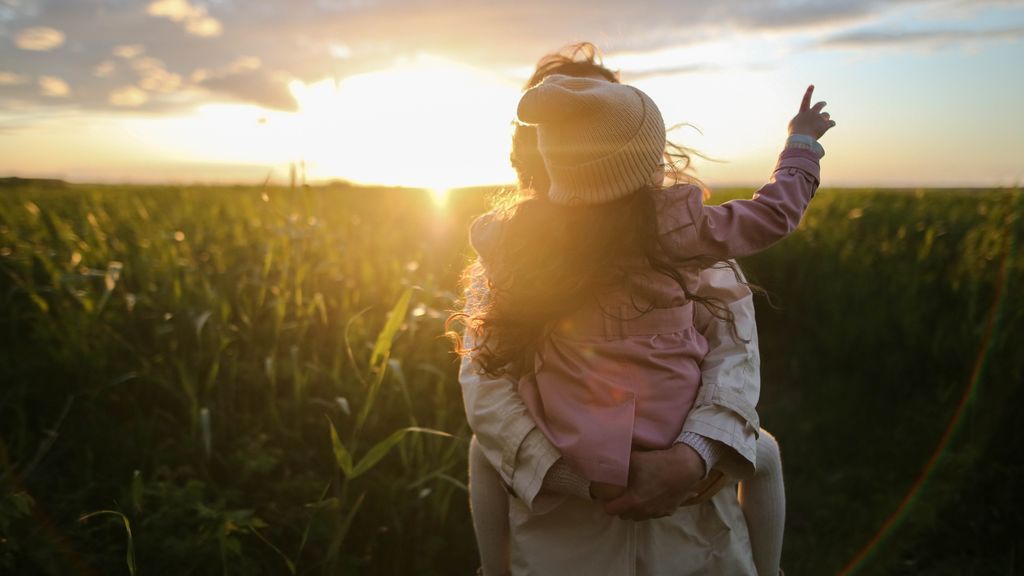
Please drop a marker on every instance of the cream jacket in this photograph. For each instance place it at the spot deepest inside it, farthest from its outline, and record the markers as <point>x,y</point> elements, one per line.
<point>555,534</point>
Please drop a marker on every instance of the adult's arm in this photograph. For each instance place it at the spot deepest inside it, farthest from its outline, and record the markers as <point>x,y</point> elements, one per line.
<point>724,410</point>
<point>723,415</point>
<point>507,434</point>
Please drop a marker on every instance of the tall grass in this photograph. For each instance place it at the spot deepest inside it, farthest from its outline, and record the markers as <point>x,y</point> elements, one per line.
<point>209,343</point>
<point>254,381</point>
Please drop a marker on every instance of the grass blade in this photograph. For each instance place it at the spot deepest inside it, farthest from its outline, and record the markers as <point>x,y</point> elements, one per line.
<point>381,449</point>
<point>341,454</point>
<point>130,556</point>
<point>382,348</point>
<point>380,355</point>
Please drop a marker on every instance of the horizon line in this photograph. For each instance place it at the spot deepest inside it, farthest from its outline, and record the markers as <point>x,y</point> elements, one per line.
<point>341,182</point>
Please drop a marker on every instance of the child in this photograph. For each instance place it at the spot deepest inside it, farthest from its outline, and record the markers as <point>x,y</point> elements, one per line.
<point>591,289</point>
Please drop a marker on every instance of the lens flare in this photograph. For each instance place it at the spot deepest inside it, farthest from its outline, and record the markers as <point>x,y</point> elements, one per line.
<point>993,322</point>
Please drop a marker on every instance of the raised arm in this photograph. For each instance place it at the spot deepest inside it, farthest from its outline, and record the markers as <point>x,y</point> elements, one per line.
<point>690,229</point>
<point>742,227</point>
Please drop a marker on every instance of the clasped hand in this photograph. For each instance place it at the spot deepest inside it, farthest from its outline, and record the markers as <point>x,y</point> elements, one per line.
<point>659,482</point>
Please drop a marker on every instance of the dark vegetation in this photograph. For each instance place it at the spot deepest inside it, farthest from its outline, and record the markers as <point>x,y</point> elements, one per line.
<point>251,380</point>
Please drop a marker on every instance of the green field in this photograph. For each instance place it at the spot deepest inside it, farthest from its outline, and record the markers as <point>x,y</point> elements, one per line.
<point>173,360</point>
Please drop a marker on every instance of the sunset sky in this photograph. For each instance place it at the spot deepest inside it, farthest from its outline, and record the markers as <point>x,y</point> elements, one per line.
<point>422,92</point>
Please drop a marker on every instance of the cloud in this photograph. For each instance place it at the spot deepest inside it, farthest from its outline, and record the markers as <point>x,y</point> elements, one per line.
<point>11,79</point>
<point>205,27</point>
<point>129,51</point>
<point>514,33</point>
<point>340,51</point>
<point>54,87</point>
<point>867,39</point>
<point>164,48</point>
<point>154,76</point>
<point>245,64</point>
<point>196,19</point>
<point>246,78</point>
<point>259,87</point>
<point>199,74</point>
<point>127,97</point>
<point>39,39</point>
<point>629,77</point>
<point>104,69</point>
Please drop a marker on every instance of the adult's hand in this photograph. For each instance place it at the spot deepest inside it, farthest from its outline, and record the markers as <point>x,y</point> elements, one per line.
<point>659,481</point>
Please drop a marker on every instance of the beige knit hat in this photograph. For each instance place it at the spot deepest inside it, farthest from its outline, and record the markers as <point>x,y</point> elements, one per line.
<point>600,141</point>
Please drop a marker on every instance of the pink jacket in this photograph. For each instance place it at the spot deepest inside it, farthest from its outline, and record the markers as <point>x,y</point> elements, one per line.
<point>611,378</point>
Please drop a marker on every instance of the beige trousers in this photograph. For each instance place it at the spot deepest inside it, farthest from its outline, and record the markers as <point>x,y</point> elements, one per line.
<point>571,536</point>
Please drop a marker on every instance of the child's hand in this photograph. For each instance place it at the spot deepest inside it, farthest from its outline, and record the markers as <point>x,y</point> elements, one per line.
<point>810,120</point>
<point>605,491</point>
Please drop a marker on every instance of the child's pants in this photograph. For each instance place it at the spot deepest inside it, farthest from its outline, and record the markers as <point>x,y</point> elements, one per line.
<point>488,502</point>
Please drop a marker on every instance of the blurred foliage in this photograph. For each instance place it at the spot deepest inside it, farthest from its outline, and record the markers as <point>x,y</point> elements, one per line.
<point>237,379</point>
<point>888,307</point>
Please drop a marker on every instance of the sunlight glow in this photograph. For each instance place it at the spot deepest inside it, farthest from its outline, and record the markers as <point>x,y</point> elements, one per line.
<point>723,115</point>
<point>735,104</point>
<point>439,196</point>
<point>425,122</point>
<point>435,123</point>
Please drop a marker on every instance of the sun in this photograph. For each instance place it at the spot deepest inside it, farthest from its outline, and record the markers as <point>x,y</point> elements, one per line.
<point>439,196</point>
<point>425,122</point>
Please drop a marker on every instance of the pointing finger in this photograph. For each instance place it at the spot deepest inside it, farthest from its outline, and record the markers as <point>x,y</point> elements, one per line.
<point>806,102</point>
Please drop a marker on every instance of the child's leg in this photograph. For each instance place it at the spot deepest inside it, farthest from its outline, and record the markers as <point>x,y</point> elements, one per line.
<point>488,502</point>
<point>763,499</point>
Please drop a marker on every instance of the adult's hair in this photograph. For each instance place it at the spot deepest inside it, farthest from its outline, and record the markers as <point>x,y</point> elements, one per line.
<point>582,60</point>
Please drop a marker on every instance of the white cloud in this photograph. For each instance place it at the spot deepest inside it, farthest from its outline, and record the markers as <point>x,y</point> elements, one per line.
<point>340,51</point>
<point>206,27</point>
<point>196,19</point>
<point>154,76</point>
<point>53,86</point>
<point>11,79</point>
<point>104,69</point>
<point>39,39</point>
<point>176,10</point>
<point>128,97</point>
<point>129,51</point>
<point>867,39</point>
<point>245,64</point>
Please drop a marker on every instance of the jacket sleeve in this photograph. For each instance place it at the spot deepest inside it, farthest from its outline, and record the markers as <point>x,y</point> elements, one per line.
<point>689,229</point>
<point>731,374</point>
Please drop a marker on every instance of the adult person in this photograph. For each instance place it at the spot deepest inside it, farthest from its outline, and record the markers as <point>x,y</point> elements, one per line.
<point>555,526</point>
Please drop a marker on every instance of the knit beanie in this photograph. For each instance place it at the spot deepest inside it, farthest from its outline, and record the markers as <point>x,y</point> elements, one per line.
<point>600,141</point>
